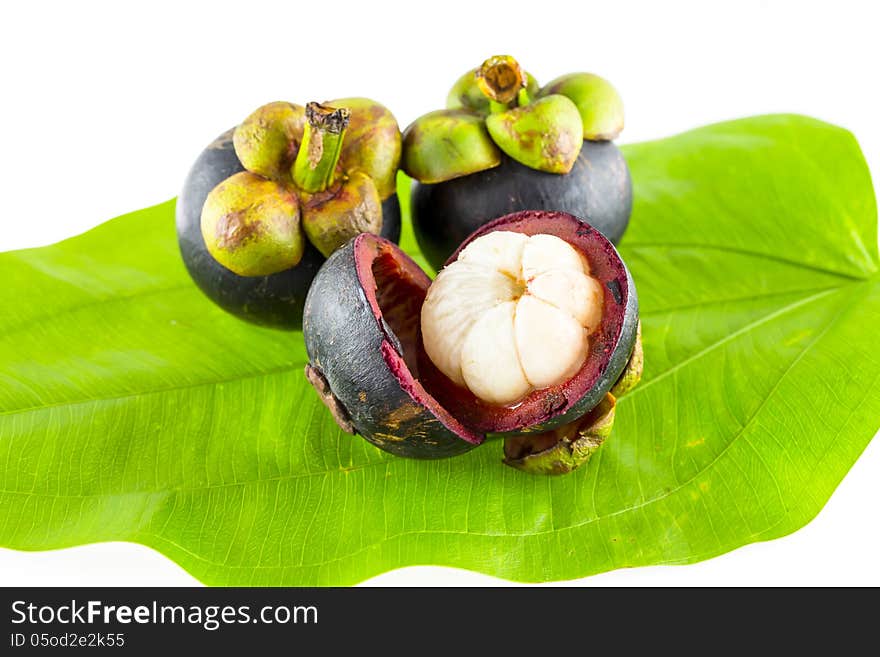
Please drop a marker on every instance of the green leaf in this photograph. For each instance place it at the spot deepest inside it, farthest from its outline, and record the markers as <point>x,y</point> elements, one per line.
<point>132,409</point>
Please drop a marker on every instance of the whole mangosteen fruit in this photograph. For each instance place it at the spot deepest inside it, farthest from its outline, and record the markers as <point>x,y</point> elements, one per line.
<point>525,333</point>
<point>267,201</point>
<point>504,145</point>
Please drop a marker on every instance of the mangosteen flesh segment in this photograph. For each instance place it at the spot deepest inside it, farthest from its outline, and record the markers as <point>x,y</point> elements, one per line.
<point>361,332</point>
<point>274,300</point>
<point>598,189</point>
<point>513,314</point>
<point>574,349</point>
<point>565,448</point>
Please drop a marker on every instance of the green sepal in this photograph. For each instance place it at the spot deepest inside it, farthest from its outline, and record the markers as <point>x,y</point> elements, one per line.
<point>251,225</point>
<point>597,101</point>
<point>347,208</point>
<point>268,140</point>
<point>546,135</point>
<point>447,144</point>
<point>372,143</point>
<point>564,449</point>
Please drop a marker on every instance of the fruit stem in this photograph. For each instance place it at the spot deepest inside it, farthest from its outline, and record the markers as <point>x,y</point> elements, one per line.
<point>315,165</point>
<point>501,80</point>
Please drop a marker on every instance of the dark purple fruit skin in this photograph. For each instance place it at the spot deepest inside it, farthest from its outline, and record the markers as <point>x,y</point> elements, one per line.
<point>275,300</point>
<point>598,190</point>
<point>391,219</point>
<point>345,342</point>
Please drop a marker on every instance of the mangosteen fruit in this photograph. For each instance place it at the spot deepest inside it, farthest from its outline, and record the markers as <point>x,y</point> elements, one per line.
<point>266,202</point>
<point>524,334</point>
<point>504,144</point>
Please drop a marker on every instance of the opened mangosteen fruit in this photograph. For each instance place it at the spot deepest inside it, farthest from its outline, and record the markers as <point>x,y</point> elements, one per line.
<point>525,331</point>
<point>504,145</point>
<point>266,202</point>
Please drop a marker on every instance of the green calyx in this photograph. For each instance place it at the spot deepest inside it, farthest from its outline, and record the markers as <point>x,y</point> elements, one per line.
<point>251,225</point>
<point>372,143</point>
<point>564,449</point>
<point>332,163</point>
<point>541,128</point>
<point>597,101</point>
<point>448,144</point>
<point>268,140</point>
<point>546,134</point>
<point>333,216</point>
<point>572,445</point>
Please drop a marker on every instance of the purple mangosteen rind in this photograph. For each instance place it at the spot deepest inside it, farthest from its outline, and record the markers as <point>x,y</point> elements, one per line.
<point>352,346</point>
<point>275,300</point>
<point>610,347</point>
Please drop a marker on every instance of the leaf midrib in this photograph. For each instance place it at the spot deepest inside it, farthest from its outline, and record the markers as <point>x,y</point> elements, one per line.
<point>654,312</point>
<point>646,384</point>
<point>156,391</point>
<point>94,303</point>
<point>754,254</point>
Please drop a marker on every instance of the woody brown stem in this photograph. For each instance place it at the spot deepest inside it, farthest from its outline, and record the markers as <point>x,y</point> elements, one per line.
<point>501,80</point>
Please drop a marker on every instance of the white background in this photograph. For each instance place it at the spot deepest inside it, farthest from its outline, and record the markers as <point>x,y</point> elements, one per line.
<point>105,104</point>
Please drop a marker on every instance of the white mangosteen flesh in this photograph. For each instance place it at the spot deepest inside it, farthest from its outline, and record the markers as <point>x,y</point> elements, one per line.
<point>514,313</point>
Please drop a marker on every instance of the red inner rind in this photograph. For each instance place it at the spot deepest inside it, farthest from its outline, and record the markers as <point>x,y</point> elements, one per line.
<point>546,403</point>
<point>395,288</point>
